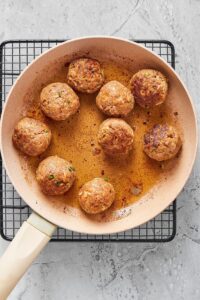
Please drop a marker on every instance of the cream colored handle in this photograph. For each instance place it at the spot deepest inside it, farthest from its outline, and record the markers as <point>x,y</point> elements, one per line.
<point>31,238</point>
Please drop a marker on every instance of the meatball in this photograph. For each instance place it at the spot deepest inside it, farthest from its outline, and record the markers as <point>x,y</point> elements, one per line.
<point>85,75</point>
<point>96,196</point>
<point>114,99</point>
<point>115,137</point>
<point>58,101</point>
<point>162,142</point>
<point>55,175</point>
<point>149,88</point>
<point>31,136</point>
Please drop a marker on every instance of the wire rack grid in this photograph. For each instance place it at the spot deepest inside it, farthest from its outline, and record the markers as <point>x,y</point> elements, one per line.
<point>15,55</point>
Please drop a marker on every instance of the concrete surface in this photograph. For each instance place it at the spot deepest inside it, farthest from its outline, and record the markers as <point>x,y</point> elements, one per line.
<point>118,271</point>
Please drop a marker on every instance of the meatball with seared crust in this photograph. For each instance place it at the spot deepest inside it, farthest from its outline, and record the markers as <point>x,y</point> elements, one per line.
<point>58,101</point>
<point>55,175</point>
<point>85,75</point>
<point>114,99</point>
<point>115,137</point>
<point>162,142</point>
<point>31,136</point>
<point>96,196</point>
<point>149,88</point>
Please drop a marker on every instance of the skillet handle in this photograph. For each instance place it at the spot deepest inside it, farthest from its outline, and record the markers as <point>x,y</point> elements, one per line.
<point>31,238</point>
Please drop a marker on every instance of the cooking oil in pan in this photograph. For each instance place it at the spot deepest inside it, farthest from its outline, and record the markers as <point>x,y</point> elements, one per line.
<point>76,140</point>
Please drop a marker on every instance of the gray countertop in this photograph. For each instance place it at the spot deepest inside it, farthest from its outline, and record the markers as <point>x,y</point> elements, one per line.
<point>118,271</point>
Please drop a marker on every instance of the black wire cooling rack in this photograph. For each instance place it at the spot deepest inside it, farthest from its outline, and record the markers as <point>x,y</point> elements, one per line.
<point>15,55</point>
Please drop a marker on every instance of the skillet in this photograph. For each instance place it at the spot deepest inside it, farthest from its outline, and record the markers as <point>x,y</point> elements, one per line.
<point>38,229</point>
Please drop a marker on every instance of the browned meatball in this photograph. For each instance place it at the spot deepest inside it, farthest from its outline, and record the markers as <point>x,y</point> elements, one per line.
<point>31,136</point>
<point>96,196</point>
<point>149,87</point>
<point>115,137</point>
<point>114,99</point>
<point>162,142</point>
<point>58,101</point>
<point>55,175</point>
<point>85,75</point>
